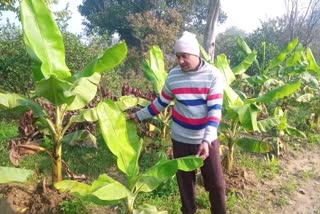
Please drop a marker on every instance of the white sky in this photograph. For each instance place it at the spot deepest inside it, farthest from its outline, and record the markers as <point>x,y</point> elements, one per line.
<point>246,14</point>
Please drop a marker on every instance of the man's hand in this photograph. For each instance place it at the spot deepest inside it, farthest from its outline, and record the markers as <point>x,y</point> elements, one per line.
<point>133,118</point>
<point>203,150</point>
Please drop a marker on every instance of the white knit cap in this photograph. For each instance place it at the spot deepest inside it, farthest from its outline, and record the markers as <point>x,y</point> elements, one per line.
<point>187,43</point>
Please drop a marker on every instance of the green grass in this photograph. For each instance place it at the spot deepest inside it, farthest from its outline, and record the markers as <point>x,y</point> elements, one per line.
<point>262,166</point>
<point>8,130</point>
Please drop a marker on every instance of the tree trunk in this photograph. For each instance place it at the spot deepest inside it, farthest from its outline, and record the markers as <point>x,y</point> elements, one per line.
<point>209,36</point>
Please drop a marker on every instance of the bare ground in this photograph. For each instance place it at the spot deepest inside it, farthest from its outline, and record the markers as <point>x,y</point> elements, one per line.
<point>294,190</point>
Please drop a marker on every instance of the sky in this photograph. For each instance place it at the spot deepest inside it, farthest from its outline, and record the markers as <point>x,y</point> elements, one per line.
<point>244,14</point>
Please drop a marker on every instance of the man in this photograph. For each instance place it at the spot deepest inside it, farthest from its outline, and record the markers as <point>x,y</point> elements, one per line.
<point>197,88</point>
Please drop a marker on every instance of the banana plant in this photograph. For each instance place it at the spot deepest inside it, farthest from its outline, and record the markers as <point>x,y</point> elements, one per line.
<point>120,136</point>
<point>294,62</point>
<point>240,113</point>
<point>54,81</point>
<point>153,69</point>
<point>241,116</point>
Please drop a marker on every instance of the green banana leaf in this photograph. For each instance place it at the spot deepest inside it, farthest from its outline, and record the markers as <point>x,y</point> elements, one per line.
<point>231,99</point>
<point>104,187</point>
<point>277,93</point>
<point>80,137</point>
<point>245,64</point>
<point>295,58</point>
<point>312,65</point>
<point>248,116</point>
<point>253,145</point>
<point>89,115</point>
<point>222,64</point>
<point>120,136</point>
<point>126,102</point>
<point>282,55</point>
<point>43,40</point>
<point>84,90</point>
<point>148,209</point>
<point>86,81</point>
<point>295,132</point>
<point>11,174</point>
<point>154,70</point>
<point>55,90</point>
<point>111,58</point>
<point>246,49</point>
<point>19,103</point>
<point>267,124</point>
<point>163,170</point>
<point>204,53</point>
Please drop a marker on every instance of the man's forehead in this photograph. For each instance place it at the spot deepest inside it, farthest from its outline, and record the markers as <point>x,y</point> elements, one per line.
<point>182,54</point>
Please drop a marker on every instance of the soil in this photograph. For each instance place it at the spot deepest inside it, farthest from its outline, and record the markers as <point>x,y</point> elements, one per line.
<point>294,190</point>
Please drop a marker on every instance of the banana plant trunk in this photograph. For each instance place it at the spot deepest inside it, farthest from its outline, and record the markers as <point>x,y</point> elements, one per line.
<point>57,136</point>
<point>231,137</point>
<point>129,205</point>
<point>229,162</point>
<point>57,163</point>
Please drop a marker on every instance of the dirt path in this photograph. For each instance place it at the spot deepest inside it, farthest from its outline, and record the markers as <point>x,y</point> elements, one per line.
<point>295,189</point>
<point>304,168</point>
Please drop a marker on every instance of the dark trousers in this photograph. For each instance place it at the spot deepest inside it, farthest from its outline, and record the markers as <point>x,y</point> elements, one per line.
<point>212,177</point>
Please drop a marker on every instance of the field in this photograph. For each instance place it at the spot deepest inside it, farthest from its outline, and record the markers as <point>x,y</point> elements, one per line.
<point>288,184</point>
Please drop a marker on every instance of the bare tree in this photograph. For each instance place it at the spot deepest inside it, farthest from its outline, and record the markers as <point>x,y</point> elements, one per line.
<point>302,21</point>
<point>209,35</point>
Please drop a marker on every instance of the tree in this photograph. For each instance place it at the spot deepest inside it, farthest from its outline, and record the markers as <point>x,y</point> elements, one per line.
<point>209,36</point>
<point>302,22</point>
<point>110,16</point>
<point>15,65</point>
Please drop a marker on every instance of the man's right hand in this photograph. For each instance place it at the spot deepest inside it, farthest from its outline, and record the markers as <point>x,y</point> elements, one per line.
<point>133,117</point>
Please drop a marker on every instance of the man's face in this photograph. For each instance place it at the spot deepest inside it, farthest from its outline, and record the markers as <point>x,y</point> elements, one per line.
<point>187,62</point>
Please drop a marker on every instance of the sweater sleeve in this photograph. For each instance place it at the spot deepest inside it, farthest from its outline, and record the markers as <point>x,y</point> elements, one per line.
<point>157,105</point>
<point>214,105</point>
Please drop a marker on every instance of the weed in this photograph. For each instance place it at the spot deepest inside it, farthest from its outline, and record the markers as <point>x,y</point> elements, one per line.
<point>232,201</point>
<point>268,168</point>
<point>73,206</point>
<point>282,200</point>
<point>314,138</point>
<point>202,199</point>
<point>308,174</point>
<point>288,187</point>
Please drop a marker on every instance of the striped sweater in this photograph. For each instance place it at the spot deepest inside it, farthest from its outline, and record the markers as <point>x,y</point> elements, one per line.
<point>198,101</point>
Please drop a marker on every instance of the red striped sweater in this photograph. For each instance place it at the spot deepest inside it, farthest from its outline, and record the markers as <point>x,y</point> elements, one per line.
<point>198,99</point>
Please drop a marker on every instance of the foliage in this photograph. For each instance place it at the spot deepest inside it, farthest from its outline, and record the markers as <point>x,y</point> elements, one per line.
<point>112,16</point>
<point>154,71</point>
<point>11,174</point>
<point>15,65</point>
<point>115,129</point>
<point>53,80</point>
<point>151,29</point>
<point>241,114</point>
<point>73,206</point>
<point>226,43</point>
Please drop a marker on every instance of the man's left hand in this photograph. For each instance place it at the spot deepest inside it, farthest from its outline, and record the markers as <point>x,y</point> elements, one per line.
<point>203,150</point>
